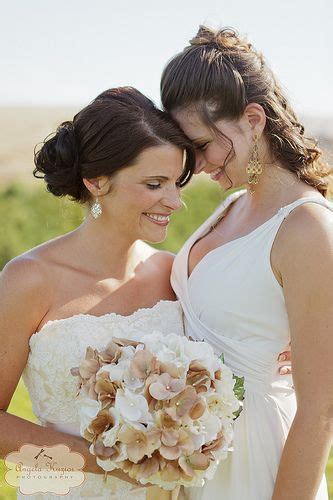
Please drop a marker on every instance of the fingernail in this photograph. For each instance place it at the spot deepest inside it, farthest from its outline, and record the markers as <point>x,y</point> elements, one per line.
<point>284,371</point>
<point>282,357</point>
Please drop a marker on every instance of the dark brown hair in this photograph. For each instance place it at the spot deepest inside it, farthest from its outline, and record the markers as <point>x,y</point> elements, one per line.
<point>105,137</point>
<point>218,74</point>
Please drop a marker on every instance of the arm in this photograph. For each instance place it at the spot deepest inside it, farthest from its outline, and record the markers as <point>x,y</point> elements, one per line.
<point>24,301</point>
<point>305,261</point>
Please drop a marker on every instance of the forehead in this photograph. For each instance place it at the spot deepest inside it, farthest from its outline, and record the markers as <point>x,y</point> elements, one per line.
<point>191,123</point>
<point>197,130</point>
<point>165,160</point>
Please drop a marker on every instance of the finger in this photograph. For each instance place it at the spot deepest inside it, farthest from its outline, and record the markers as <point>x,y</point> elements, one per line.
<point>285,370</point>
<point>284,356</point>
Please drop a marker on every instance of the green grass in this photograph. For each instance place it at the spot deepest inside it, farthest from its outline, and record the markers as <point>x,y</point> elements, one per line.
<point>21,406</point>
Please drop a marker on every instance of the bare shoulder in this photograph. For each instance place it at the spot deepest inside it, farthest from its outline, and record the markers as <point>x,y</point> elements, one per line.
<point>26,270</point>
<point>306,236</point>
<point>161,258</point>
<point>25,288</point>
<point>158,265</point>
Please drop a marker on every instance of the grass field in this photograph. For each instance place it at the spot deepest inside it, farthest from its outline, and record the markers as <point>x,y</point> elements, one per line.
<point>21,406</point>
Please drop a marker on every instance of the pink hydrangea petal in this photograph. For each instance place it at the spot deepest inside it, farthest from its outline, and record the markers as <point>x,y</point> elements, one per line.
<point>170,452</point>
<point>159,392</point>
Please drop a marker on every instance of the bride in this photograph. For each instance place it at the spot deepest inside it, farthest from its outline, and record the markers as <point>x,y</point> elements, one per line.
<point>124,158</point>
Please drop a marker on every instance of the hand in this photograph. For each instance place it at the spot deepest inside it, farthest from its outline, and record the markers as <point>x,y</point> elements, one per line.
<point>284,361</point>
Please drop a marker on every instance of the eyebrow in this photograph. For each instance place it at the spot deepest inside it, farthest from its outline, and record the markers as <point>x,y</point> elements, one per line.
<point>200,139</point>
<point>157,177</point>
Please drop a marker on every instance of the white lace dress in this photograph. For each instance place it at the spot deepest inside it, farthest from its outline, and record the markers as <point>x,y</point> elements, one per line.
<point>61,345</point>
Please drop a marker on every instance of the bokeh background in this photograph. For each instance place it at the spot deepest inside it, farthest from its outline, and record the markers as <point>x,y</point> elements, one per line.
<point>57,56</point>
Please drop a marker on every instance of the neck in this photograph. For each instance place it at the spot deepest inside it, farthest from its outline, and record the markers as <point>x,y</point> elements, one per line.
<point>277,187</point>
<point>107,251</point>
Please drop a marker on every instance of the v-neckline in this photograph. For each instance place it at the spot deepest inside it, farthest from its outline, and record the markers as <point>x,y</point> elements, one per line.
<point>202,234</point>
<point>235,240</point>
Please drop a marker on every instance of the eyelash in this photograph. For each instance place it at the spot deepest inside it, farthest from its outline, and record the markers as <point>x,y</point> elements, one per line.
<point>157,186</point>
<point>202,147</point>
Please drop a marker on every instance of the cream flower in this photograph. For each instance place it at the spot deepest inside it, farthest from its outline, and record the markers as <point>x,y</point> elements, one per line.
<point>175,444</point>
<point>187,403</point>
<point>193,463</point>
<point>90,365</point>
<point>111,353</point>
<point>139,443</point>
<point>87,409</point>
<point>198,376</point>
<point>143,364</point>
<point>115,372</point>
<point>165,387</point>
<point>132,407</point>
<point>208,426</point>
<point>168,349</point>
<point>117,455</point>
<point>106,389</point>
<point>110,436</point>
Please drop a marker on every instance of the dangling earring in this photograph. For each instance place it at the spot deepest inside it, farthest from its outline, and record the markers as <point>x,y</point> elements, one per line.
<point>254,166</point>
<point>96,209</point>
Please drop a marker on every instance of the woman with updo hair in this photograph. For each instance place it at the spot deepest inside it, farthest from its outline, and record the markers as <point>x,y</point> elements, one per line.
<point>259,272</point>
<point>127,161</point>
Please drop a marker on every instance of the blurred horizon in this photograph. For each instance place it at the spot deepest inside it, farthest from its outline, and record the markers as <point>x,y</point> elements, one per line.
<point>23,127</point>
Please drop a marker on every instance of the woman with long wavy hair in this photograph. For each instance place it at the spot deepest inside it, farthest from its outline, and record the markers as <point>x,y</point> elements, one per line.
<point>258,273</point>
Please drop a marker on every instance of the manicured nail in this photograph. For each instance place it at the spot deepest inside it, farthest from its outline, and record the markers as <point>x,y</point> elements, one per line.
<point>284,370</point>
<point>282,357</point>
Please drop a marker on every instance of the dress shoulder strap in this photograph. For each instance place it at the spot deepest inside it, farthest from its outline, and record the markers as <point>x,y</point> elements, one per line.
<point>285,211</point>
<point>271,231</point>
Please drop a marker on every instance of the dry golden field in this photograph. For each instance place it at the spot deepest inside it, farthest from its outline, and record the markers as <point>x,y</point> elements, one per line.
<point>21,128</point>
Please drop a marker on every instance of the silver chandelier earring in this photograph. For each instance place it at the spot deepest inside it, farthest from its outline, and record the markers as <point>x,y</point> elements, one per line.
<point>96,209</point>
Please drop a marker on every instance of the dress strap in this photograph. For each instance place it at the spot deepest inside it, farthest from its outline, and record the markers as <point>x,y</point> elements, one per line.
<point>285,211</point>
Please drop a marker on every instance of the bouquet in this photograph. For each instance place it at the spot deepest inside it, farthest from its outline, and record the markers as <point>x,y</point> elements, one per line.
<point>161,409</point>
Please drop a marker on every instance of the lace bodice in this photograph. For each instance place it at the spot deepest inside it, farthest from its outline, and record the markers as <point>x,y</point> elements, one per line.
<point>61,345</point>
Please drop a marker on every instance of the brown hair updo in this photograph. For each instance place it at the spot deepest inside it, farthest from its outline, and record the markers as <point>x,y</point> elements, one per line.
<point>219,73</point>
<point>104,137</point>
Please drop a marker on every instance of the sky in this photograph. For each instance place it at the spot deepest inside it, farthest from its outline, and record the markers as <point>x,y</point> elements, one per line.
<point>65,52</point>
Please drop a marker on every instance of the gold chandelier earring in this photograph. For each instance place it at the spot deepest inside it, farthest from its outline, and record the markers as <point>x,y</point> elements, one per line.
<point>254,166</point>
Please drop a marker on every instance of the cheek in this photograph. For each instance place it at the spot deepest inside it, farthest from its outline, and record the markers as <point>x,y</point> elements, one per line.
<point>217,154</point>
<point>136,199</point>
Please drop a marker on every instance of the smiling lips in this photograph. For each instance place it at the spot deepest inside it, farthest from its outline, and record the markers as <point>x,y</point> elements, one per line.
<point>216,174</point>
<point>159,219</point>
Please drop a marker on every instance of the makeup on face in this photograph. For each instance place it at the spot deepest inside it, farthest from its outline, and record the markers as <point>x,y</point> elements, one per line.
<point>147,193</point>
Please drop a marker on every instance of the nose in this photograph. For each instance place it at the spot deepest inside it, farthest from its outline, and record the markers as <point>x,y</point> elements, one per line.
<point>172,200</point>
<point>199,162</point>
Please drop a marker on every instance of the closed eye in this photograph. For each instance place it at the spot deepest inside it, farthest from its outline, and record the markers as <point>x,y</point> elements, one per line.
<point>201,147</point>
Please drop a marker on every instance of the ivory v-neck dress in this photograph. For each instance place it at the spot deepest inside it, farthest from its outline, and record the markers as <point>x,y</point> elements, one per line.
<point>233,301</point>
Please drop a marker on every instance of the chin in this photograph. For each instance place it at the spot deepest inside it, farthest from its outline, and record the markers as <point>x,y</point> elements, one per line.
<point>225,184</point>
<point>157,238</point>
